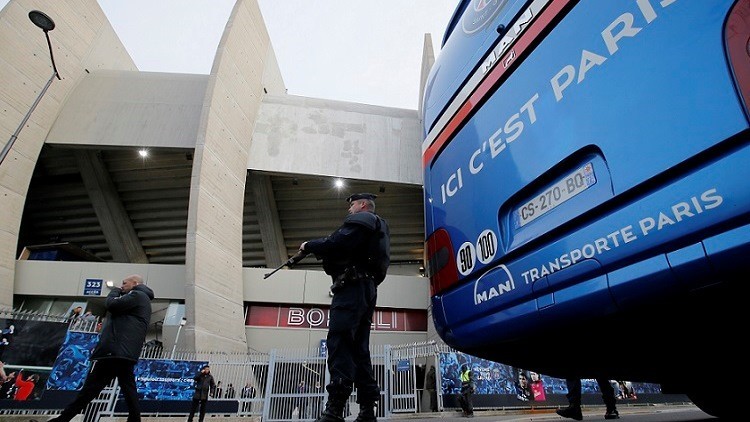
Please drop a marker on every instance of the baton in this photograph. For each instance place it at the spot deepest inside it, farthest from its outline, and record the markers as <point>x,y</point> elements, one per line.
<point>289,263</point>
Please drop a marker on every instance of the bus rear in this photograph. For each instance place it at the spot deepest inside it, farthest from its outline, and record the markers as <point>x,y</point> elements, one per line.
<point>586,186</point>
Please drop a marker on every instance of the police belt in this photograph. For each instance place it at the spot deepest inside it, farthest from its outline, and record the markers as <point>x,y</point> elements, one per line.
<point>350,274</point>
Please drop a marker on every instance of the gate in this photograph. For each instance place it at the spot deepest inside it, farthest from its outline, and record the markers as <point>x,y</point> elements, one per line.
<point>297,380</point>
<point>405,396</point>
<point>296,385</point>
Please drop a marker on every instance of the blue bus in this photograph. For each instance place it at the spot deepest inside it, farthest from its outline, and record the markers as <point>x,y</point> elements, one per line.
<point>587,188</point>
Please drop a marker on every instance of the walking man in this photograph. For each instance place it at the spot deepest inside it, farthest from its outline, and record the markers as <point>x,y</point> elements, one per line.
<point>356,256</point>
<point>119,347</point>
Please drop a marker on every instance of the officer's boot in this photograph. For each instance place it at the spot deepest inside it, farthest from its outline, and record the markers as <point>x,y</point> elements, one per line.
<point>334,411</point>
<point>366,413</point>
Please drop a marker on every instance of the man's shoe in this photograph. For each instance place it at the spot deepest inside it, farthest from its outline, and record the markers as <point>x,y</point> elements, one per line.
<point>572,412</point>
<point>612,414</point>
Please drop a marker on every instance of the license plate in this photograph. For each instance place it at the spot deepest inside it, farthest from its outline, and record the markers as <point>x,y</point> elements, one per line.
<point>555,195</point>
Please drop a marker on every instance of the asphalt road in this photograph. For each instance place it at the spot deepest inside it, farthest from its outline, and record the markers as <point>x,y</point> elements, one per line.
<point>659,413</point>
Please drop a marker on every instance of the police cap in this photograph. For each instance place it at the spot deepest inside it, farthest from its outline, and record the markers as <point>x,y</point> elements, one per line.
<point>357,196</point>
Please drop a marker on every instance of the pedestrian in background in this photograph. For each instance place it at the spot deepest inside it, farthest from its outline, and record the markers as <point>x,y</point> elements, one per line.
<point>467,390</point>
<point>430,385</point>
<point>204,385</point>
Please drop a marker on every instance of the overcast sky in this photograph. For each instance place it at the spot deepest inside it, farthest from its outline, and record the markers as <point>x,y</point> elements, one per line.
<point>361,51</point>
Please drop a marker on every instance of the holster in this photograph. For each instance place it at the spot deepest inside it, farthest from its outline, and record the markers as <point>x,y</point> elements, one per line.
<point>338,283</point>
<point>350,275</point>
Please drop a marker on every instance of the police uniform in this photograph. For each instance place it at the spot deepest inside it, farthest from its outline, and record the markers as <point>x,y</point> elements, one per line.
<point>356,257</point>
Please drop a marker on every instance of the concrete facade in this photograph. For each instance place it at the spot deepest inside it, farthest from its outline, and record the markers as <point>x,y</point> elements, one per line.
<point>82,42</point>
<point>335,138</point>
<point>164,108</point>
<point>236,119</point>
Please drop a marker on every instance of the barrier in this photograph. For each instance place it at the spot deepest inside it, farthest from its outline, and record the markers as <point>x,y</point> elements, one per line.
<point>284,385</point>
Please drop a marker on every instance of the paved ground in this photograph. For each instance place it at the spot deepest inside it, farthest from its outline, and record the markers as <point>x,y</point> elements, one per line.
<point>658,413</point>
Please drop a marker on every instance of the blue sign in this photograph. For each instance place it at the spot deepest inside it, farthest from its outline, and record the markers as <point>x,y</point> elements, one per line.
<point>323,348</point>
<point>162,379</point>
<point>402,365</point>
<point>92,287</point>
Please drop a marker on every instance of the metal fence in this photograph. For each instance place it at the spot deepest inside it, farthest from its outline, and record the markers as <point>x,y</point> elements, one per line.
<point>283,385</point>
<point>289,384</point>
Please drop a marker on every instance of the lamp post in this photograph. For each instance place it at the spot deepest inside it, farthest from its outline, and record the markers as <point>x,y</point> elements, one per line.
<point>46,24</point>
<point>183,321</point>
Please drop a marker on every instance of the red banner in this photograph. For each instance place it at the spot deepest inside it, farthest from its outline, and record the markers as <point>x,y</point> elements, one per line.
<point>286,316</point>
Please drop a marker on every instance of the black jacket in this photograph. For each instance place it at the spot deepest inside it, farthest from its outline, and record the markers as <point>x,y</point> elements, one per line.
<point>430,383</point>
<point>125,329</point>
<point>362,241</point>
<point>204,384</point>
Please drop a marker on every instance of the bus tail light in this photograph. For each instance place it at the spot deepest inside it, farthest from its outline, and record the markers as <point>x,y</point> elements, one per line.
<point>737,33</point>
<point>441,262</point>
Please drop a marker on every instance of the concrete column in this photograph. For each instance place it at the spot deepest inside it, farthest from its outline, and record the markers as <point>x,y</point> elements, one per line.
<point>118,229</point>
<point>268,219</point>
<point>428,59</point>
<point>214,285</point>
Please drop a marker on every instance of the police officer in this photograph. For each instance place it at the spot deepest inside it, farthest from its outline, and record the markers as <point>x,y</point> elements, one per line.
<point>356,256</point>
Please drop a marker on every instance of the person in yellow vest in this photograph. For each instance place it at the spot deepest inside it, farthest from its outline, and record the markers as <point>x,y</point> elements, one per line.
<point>467,389</point>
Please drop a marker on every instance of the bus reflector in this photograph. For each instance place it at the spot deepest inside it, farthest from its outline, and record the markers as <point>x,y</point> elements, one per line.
<point>441,262</point>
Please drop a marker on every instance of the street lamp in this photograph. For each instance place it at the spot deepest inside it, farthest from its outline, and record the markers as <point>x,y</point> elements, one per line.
<point>183,321</point>
<point>46,24</point>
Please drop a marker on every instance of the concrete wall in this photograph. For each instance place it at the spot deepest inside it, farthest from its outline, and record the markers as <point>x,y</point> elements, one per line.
<point>128,108</point>
<point>66,280</point>
<point>62,278</point>
<point>214,230</point>
<point>334,138</point>
<point>82,40</point>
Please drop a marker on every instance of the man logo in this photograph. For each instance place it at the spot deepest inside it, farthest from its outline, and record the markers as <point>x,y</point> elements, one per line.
<point>494,283</point>
<point>479,13</point>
